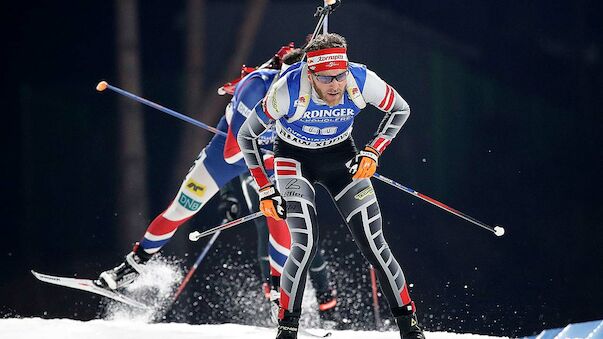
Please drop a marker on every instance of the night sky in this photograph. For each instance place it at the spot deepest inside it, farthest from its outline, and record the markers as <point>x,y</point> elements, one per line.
<point>506,124</point>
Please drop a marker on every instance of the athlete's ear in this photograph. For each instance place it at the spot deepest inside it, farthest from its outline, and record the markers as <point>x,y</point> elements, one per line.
<point>310,79</point>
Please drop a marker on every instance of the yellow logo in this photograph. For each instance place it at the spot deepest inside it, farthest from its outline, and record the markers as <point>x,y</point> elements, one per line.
<point>195,187</point>
<point>364,193</point>
<point>275,102</point>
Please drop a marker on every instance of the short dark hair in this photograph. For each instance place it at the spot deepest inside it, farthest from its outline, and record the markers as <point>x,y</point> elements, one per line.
<point>329,40</point>
<point>294,56</point>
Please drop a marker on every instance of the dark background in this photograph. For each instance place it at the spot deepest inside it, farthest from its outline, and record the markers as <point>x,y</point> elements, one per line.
<point>506,104</point>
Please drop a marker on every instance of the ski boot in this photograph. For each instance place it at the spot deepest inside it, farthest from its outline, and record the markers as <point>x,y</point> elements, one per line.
<point>288,326</point>
<point>408,324</point>
<point>125,273</point>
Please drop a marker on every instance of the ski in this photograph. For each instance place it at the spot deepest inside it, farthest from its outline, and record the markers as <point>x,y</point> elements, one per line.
<point>88,286</point>
<point>310,334</point>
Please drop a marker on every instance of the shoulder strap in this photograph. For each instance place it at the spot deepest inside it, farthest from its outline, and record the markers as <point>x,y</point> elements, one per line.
<point>303,100</point>
<point>354,92</point>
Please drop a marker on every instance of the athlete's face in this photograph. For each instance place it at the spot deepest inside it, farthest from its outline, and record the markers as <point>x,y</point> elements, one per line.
<point>329,85</point>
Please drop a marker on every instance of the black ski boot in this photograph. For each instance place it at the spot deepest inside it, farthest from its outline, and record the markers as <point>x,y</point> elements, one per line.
<point>287,327</point>
<point>407,322</point>
<point>126,272</point>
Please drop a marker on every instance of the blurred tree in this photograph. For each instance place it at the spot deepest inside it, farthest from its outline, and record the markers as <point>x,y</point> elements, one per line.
<point>132,191</point>
<point>195,46</point>
<point>211,105</point>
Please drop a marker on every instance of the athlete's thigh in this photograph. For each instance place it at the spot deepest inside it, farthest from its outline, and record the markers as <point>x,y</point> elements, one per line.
<point>208,173</point>
<point>294,186</point>
<point>220,171</point>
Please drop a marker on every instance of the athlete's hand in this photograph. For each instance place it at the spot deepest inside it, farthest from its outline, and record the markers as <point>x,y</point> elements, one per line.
<point>364,163</point>
<point>272,204</point>
<point>229,207</point>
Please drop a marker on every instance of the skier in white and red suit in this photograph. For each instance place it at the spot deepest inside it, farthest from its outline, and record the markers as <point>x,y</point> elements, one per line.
<point>273,235</point>
<point>313,108</point>
<point>218,163</point>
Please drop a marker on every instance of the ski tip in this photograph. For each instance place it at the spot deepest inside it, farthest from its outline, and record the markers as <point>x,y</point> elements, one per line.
<point>38,275</point>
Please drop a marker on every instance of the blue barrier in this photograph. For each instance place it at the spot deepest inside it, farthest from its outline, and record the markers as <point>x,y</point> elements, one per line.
<point>586,330</point>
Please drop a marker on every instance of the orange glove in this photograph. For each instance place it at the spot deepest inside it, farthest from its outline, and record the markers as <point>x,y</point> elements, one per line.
<point>364,163</point>
<point>272,204</point>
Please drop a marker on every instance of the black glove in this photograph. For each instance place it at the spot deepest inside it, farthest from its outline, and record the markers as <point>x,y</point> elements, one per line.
<point>229,208</point>
<point>364,163</point>
<point>229,205</point>
<point>272,203</point>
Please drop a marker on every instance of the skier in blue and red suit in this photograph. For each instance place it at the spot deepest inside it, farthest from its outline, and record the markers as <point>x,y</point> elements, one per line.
<point>217,164</point>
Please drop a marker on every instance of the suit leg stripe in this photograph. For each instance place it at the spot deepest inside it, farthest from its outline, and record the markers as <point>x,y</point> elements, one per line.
<point>295,261</point>
<point>346,189</point>
<point>362,208</point>
<point>302,247</point>
<point>378,233</point>
<point>157,237</point>
<point>299,231</point>
<point>147,244</point>
<point>285,274</point>
<point>306,257</point>
<point>152,250</point>
<point>300,200</point>
<point>378,216</point>
<point>280,248</point>
<point>390,278</point>
<point>276,266</point>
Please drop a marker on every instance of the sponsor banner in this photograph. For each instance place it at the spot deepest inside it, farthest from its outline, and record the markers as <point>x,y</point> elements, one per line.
<point>195,188</point>
<point>364,193</point>
<point>188,202</point>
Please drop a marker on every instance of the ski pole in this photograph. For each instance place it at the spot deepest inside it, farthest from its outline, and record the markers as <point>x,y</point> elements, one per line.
<point>195,265</point>
<point>325,24</point>
<point>498,230</point>
<point>375,298</point>
<point>323,13</point>
<point>103,85</point>
<point>196,235</point>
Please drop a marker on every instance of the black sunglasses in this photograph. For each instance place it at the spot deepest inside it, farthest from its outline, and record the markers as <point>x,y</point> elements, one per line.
<point>327,79</point>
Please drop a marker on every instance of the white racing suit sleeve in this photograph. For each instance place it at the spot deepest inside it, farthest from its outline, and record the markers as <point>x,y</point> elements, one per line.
<point>274,106</point>
<point>381,95</point>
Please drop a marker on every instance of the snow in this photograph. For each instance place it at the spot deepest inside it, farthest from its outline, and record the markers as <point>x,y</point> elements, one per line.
<point>28,328</point>
<point>157,284</point>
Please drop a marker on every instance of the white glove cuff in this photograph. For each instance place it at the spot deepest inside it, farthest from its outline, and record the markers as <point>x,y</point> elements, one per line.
<point>266,192</point>
<point>369,155</point>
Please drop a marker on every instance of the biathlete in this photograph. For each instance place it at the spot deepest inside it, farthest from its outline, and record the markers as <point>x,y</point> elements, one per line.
<point>313,109</point>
